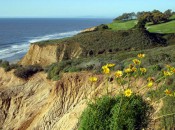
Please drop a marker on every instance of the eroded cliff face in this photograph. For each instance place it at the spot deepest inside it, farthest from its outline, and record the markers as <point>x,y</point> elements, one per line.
<point>51,53</point>
<point>40,104</point>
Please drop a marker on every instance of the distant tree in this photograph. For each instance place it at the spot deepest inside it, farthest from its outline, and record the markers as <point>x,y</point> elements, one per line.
<point>159,17</point>
<point>168,13</point>
<point>146,16</point>
<point>132,15</point>
<point>139,14</point>
<point>156,11</point>
<point>155,16</point>
<point>126,16</point>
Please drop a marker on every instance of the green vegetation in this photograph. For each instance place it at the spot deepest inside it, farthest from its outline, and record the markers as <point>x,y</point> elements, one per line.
<point>168,27</point>
<point>27,71</point>
<point>155,57</point>
<point>107,42</point>
<point>7,66</point>
<point>55,70</point>
<point>107,113</point>
<point>157,22</point>
<point>122,25</point>
<point>172,17</point>
<point>128,110</point>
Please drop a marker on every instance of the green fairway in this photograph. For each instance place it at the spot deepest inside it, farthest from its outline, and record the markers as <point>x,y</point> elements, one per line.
<point>168,27</point>
<point>119,25</point>
<point>173,17</point>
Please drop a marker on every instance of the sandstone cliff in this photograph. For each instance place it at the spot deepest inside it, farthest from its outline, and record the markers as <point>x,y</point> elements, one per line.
<point>40,104</point>
<point>40,55</point>
<point>46,55</point>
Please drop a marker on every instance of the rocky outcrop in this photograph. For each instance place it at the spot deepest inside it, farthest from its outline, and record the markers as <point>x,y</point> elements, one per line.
<point>51,53</point>
<point>89,30</point>
<point>44,55</point>
<point>40,104</point>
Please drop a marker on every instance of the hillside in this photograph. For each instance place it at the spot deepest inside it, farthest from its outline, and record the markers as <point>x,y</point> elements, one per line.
<point>168,27</point>
<point>91,44</point>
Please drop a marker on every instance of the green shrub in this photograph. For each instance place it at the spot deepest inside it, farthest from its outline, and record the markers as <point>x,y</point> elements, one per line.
<point>133,114</point>
<point>4,64</point>
<point>7,66</point>
<point>102,27</point>
<point>120,113</point>
<point>28,71</point>
<point>97,115</point>
<point>54,70</point>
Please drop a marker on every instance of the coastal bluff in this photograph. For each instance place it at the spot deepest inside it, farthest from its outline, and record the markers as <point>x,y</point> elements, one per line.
<point>41,104</point>
<point>38,103</point>
<point>45,55</point>
<point>90,44</point>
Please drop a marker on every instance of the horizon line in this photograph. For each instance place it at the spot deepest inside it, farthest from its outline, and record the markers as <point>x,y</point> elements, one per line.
<point>56,18</point>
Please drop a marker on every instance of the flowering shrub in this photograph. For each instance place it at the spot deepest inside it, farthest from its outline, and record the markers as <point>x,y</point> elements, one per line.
<point>126,80</point>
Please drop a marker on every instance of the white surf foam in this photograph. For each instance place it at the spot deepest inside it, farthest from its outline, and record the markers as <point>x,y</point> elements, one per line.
<point>23,47</point>
<point>54,36</point>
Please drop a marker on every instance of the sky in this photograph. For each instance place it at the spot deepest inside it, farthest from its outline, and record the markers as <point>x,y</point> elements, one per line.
<point>78,8</point>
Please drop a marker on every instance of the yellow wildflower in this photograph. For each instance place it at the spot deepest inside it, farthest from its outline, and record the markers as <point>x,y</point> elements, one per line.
<point>132,68</point>
<point>141,55</point>
<point>128,70</point>
<point>168,66</point>
<point>167,92</point>
<point>110,65</point>
<point>118,74</point>
<point>136,62</point>
<point>167,73</point>
<point>143,70</point>
<point>150,79</point>
<point>93,79</point>
<point>172,69</point>
<point>128,92</point>
<point>106,70</point>
<point>150,84</point>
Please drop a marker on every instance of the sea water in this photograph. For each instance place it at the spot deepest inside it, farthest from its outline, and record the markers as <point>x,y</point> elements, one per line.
<point>17,34</point>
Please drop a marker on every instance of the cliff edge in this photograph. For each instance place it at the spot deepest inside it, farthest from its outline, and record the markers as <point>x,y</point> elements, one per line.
<point>40,104</point>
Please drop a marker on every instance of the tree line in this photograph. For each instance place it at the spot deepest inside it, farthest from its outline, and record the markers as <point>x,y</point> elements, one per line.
<point>154,16</point>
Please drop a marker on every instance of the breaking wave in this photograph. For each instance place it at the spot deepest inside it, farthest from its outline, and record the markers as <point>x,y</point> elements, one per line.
<point>22,48</point>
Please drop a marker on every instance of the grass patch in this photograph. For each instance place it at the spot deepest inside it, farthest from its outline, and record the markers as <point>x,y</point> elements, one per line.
<point>168,27</point>
<point>120,25</point>
<point>172,17</point>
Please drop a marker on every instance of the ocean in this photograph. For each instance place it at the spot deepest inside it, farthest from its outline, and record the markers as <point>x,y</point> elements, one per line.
<point>17,34</point>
